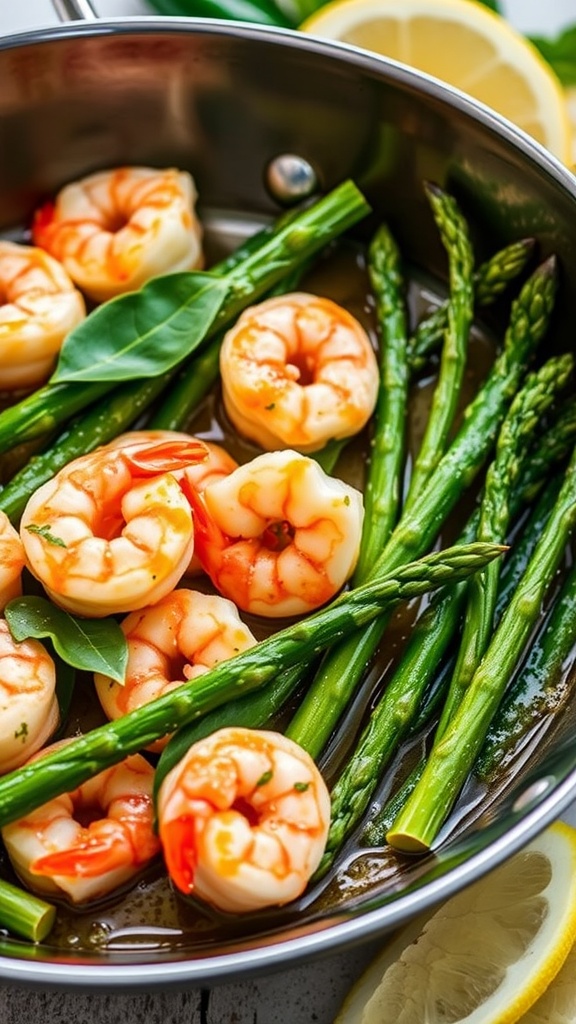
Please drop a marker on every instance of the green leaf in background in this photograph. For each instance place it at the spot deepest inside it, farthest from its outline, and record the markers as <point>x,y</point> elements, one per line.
<point>93,645</point>
<point>259,12</point>
<point>143,333</point>
<point>493,5</point>
<point>560,54</point>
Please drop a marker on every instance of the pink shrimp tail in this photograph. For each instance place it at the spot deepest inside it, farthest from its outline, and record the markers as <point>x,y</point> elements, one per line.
<point>209,539</point>
<point>180,854</point>
<point>96,855</point>
<point>166,456</point>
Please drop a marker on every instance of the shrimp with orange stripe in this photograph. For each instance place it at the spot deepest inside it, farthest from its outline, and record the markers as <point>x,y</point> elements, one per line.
<point>179,638</point>
<point>39,306</point>
<point>114,230</point>
<point>278,536</point>
<point>112,532</point>
<point>217,464</point>
<point>297,371</point>
<point>243,819</point>
<point>87,843</point>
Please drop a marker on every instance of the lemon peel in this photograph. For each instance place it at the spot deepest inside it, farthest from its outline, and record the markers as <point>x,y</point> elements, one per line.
<point>487,954</point>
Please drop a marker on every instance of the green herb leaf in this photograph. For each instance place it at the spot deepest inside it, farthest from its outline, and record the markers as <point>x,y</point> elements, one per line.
<point>144,333</point>
<point>46,533</point>
<point>493,5</point>
<point>560,54</point>
<point>93,645</point>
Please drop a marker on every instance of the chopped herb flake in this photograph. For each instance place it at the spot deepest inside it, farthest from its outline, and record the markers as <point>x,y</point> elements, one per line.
<point>46,533</point>
<point>265,778</point>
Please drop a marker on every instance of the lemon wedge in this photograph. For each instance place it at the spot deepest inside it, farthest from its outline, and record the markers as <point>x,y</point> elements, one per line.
<point>466,45</point>
<point>488,954</point>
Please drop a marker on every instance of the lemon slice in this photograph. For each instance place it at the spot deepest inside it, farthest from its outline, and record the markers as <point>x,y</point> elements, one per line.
<point>465,44</point>
<point>487,954</point>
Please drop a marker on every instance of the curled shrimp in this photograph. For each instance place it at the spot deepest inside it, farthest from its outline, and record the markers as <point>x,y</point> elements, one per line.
<point>112,531</point>
<point>39,306</point>
<point>28,706</point>
<point>179,638</point>
<point>115,230</point>
<point>298,370</point>
<point>243,819</point>
<point>278,536</point>
<point>85,844</point>
<point>12,561</point>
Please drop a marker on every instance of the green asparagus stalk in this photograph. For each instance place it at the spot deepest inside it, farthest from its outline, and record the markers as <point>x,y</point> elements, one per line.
<point>541,688</point>
<point>490,282</point>
<point>43,411</point>
<point>416,827</point>
<point>383,481</point>
<point>25,915</point>
<point>518,430</point>
<point>455,238</point>
<point>513,568</point>
<point>390,721</point>
<point>191,385</point>
<point>66,768</point>
<point>345,665</point>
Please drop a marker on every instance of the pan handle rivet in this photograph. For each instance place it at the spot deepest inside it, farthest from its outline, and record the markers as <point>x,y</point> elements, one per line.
<point>289,177</point>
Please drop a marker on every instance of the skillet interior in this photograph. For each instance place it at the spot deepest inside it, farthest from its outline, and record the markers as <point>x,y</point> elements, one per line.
<point>222,101</point>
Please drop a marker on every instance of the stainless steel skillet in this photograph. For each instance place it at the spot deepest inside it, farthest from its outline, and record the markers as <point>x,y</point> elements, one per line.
<point>225,101</point>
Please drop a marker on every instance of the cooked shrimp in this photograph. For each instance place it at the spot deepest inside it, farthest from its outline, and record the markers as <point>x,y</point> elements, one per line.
<point>12,561</point>
<point>179,638</point>
<point>298,370</point>
<point>243,819</point>
<point>28,706</point>
<point>86,843</point>
<point>112,531</point>
<point>217,464</point>
<point>278,536</point>
<point>39,306</point>
<point>115,230</point>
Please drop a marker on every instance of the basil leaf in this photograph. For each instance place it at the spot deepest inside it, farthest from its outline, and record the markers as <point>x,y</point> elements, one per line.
<point>93,645</point>
<point>143,333</point>
<point>560,54</point>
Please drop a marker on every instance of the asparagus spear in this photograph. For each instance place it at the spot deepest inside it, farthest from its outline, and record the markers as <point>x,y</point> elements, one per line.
<point>382,489</point>
<point>517,433</point>
<point>415,828</point>
<point>512,570</point>
<point>24,914</point>
<point>66,768</point>
<point>346,663</point>
<point>44,410</point>
<point>541,688</point>
<point>390,720</point>
<point>490,281</point>
<point>454,234</point>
